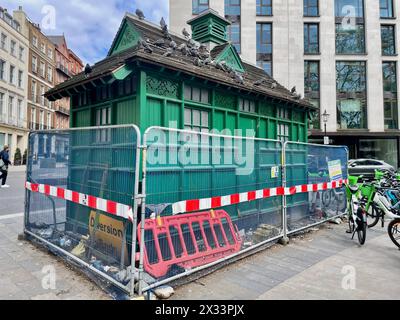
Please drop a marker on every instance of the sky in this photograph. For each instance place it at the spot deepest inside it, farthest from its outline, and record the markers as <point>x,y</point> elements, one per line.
<point>88,25</point>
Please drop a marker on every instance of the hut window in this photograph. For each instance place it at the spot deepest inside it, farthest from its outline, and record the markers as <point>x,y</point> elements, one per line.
<point>197,94</point>
<point>247,105</point>
<point>283,113</point>
<point>197,120</point>
<point>283,132</point>
<point>103,118</point>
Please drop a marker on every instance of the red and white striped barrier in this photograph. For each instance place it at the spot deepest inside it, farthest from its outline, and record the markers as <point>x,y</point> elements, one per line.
<point>111,207</point>
<point>186,206</point>
<point>221,201</point>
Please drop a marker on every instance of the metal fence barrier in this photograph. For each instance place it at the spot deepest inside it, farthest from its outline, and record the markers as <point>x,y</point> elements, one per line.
<point>81,197</point>
<point>203,197</point>
<point>315,166</point>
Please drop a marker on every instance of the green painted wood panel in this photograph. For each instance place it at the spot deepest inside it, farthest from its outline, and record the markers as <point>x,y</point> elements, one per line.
<point>82,118</point>
<point>219,120</point>
<point>172,115</point>
<point>126,112</point>
<point>262,130</point>
<point>152,113</point>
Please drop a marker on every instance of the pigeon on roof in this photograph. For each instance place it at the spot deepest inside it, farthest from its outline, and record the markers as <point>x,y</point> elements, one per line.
<point>168,53</point>
<point>159,42</point>
<point>145,45</point>
<point>88,69</point>
<point>185,33</point>
<point>140,14</point>
<point>173,45</point>
<point>259,82</point>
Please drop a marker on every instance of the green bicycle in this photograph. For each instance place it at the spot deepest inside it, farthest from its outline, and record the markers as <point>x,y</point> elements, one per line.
<point>357,215</point>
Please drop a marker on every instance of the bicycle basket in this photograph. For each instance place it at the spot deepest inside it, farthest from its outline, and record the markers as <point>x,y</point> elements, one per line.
<point>367,190</point>
<point>353,180</point>
<point>379,175</point>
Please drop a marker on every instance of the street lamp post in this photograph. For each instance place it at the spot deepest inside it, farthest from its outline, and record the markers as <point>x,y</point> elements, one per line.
<point>325,118</point>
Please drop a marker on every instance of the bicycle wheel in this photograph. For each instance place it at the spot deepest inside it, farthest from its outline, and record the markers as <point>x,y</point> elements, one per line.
<point>373,216</point>
<point>361,226</point>
<point>351,225</point>
<point>394,232</point>
<point>327,197</point>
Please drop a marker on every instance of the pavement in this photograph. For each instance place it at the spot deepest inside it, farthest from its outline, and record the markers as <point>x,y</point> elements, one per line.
<point>26,272</point>
<point>12,199</point>
<point>322,264</point>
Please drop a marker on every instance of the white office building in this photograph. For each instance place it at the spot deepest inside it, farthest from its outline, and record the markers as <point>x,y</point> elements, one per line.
<point>340,54</point>
<point>13,84</point>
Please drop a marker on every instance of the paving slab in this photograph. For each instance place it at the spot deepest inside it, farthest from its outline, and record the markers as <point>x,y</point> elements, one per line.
<point>313,266</point>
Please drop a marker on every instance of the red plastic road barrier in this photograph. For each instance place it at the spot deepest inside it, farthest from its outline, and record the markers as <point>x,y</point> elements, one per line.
<point>222,201</point>
<point>188,241</point>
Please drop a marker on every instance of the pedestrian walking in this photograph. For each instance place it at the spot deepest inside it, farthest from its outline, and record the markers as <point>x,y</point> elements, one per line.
<point>4,163</point>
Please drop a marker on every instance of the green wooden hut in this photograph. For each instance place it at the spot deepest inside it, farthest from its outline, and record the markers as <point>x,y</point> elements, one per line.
<point>152,77</point>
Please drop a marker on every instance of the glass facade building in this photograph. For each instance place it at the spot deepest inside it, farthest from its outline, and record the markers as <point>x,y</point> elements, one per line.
<point>344,59</point>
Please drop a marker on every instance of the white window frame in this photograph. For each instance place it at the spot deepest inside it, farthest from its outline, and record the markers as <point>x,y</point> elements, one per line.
<point>3,41</point>
<point>13,45</point>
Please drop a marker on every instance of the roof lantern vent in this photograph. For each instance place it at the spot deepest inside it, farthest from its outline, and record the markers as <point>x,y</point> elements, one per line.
<point>209,28</point>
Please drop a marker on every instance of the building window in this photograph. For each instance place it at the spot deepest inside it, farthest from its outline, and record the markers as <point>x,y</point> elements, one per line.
<point>42,69</point>
<point>390,95</point>
<point>350,31</point>
<point>283,128</point>
<point>21,53</point>
<point>199,6</point>
<point>35,41</point>
<point>312,89</point>
<point>264,47</point>
<point>49,74</point>
<point>197,94</point>
<point>34,64</point>
<point>1,105</point>
<point>311,38</point>
<point>386,8</point>
<point>351,95</point>
<point>196,120</point>
<point>388,40</point>
<point>43,48</point>
<point>12,48</point>
<point>33,118</point>
<point>311,8</point>
<point>50,53</point>
<point>3,42</point>
<point>2,69</point>
<point>12,74</point>
<point>20,78</point>
<point>10,110</point>
<point>283,132</point>
<point>103,118</point>
<point>20,114</point>
<point>41,122</point>
<point>33,92</point>
<point>246,105</point>
<point>233,33</point>
<point>49,120</point>
<point>232,7</point>
<point>42,90</point>
<point>264,7</point>
<point>232,13</point>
